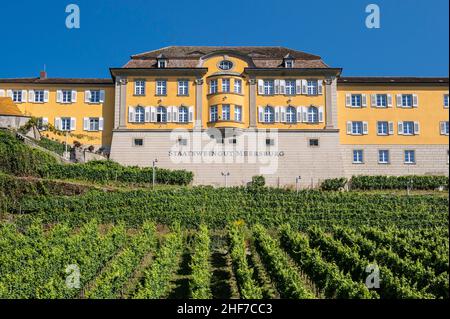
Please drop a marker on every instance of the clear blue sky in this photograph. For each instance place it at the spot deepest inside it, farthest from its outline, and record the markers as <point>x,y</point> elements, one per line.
<point>413,38</point>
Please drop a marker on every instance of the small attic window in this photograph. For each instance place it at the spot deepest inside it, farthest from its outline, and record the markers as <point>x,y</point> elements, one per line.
<point>162,63</point>
<point>289,63</point>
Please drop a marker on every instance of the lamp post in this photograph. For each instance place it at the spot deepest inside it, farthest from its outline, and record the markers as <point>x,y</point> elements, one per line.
<point>297,182</point>
<point>225,175</point>
<point>154,172</point>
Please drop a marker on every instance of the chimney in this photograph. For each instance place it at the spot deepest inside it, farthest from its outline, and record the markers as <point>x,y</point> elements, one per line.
<point>43,75</point>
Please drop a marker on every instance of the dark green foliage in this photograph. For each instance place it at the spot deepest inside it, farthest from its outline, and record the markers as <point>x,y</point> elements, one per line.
<point>417,182</point>
<point>333,184</point>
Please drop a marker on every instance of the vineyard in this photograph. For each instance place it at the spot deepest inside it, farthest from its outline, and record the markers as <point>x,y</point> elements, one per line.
<point>97,260</point>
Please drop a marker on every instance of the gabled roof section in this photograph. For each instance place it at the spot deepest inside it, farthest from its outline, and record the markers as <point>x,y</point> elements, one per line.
<point>8,108</point>
<point>189,56</point>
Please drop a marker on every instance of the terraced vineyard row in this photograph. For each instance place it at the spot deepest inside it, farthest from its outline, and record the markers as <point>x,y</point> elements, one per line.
<point>112,261</point>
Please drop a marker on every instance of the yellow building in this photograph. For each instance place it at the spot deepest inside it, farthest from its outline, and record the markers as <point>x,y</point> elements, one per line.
<point>235,112</point>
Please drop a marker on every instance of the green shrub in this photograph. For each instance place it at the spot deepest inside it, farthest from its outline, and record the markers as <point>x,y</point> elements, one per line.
<point>21,160</point>
<point>257,182</point>
<point>333,184</point>
<point>398,182</point>
<point>54,146</point>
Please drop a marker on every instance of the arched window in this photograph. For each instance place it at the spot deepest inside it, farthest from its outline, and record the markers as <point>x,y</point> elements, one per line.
<point>183,114</point>
<point>291,115</point>
<point>269,114</point>
<point>161,114</point>
<point>313,114</point>
<point>139,114</point>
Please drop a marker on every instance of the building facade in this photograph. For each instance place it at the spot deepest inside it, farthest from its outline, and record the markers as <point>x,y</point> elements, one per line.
<point>229,113</point>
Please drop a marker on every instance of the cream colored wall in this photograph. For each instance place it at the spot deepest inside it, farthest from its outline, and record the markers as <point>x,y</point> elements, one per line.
<point>429,113</point>
<point>77,110</point>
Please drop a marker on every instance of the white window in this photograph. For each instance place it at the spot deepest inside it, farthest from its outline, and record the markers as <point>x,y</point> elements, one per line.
<point>139,87</point>
<point>445,128</point>
<point>213,114</point>
<point>162,63</point>
<point>213,86</point>
<point>65,124</point>
<point>446,101</point>
<point>66,96</point>
<point>94,124</point>
<point>17,96</point>
<point>313,87</point>
<point>238,113</point>
<point>161,87</point>
<point>383,156</point>
<point>357,128</point>
<point>408,128</point>
<point>161,114</point>
<point>269,114</point>
<point>358,156</point>
<point>410,157</point>
<point>237,86</point>
<point>407,100</point>
<point>291,115</point>
<point>356,100</point>
<point>225,85</point>
<point>226,112</point>
<point>313,114</point>
<point>383,128</point>
<point>269,87</point>
<point>290,87</point>
<point>139,114</point>
<point>183,114</point>
<point>289,64</point>
<point>39,96</point>
<point>381,100</point>
<point>183,87</point>
<point>95,96</point>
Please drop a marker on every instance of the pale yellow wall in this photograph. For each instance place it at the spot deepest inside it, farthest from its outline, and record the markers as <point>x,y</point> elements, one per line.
<point>429,113</point>
<point>78,110</point>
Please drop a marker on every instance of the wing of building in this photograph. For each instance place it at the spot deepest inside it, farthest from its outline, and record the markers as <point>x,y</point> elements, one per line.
<point>235,112</point>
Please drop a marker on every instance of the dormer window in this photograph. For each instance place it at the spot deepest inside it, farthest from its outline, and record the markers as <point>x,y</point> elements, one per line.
<point>162,63</point>
<point>225,65</point>
<point>288,63</point>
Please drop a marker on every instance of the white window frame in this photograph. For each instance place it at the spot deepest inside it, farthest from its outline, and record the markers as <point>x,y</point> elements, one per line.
<point>213,86</point>
<point>407,158</point>
<point>385,159</point>
<point>355,125</point>
<point>93,96</point>
<point>289,64</point>
<point>139,87</point>
<point>139,114</point>
<point>226,112</point>
<point>354,96</point>
<point>183,87</point>
<point>226,85</point>
<point>269,87</point>
<point>183,114</point>
<point>360,158</point>
<point>379,99</point>
<point>312,87</point>
<point>66,96</point>
<point>214,113</point>
<point>17,96</point>
<point>65,120</point>
<point>161,114</point>
<point>404,102</point>
<point>291,115</point>
<point>38,94</point>
<point>387,128</point>
<point>162,63</point>
<point>290,88</point>
<point>446,100</point>
<point>238,113</point>
<point>237,86</point>
<point>410,123</point>
<point>92,121</point>
<point>269,114</point>
<point>161,87</point>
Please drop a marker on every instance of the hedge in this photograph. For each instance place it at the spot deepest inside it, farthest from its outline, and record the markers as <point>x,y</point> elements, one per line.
<point>417,182</point>
<point>21,160</point>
